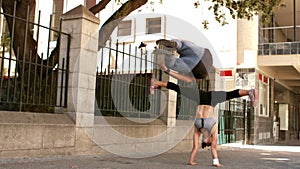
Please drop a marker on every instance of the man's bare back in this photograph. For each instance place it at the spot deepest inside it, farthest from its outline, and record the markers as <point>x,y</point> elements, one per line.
<point>204,111</point>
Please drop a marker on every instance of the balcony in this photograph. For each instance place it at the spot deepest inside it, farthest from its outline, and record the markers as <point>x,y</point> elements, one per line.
<point>280,48</point>
<point>281,61</point>
<point>279,53</point>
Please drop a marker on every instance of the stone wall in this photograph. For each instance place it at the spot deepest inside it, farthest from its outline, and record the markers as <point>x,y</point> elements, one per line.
<point>25,134</point>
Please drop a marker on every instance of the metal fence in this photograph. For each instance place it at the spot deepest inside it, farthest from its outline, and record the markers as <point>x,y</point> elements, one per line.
<point>280,34</point>
<point>123,82</point>
<point>185,107</point>
<point>284,40</point>
<point>31,81</point>
<point>233,121</point>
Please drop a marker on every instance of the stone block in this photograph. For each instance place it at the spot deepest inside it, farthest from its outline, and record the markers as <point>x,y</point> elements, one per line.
<point>84,119</point>
<point>21,136</point>
<point>74,55</point>
<point>72,26</point>
<point>84,143</point>
<point>142,132</point>
<point>83,80</point>
<point>106,135</point>
<point>63,45</point>
<point>58,136</point>
<point>84,41</point>
<point>85,100</point>
<point>88,62</point>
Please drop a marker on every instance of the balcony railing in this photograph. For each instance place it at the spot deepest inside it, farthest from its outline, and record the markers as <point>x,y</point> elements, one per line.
<point>279,34</point>
<point>281,48</point>
<point>283,40</point>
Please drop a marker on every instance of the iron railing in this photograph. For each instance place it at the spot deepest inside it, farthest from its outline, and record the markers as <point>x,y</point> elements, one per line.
<point>284,40</point>
<point>186,109</point>
<point>280,34</point>
<point>233,121</point>
<point>31,81</point>
<point>123,82</point>
<point>126,72</point>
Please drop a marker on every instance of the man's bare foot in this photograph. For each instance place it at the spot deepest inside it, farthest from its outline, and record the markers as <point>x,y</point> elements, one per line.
<point>217,165</point>
<point>192,163</point>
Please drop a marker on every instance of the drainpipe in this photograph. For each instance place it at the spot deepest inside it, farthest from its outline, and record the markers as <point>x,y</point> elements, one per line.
<point>295,24</point>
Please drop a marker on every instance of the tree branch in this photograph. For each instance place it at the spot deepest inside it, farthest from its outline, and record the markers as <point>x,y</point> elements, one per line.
<point>99,7</point>
<point>116,18</point>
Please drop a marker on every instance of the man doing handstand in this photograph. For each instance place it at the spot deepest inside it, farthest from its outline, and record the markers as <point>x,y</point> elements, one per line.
<point>204,122</point>
<point>194,63</point>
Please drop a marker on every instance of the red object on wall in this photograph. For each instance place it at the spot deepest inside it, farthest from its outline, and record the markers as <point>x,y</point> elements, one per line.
<point>226,73</point>
<point>260,76</point>
<point>265,79</point>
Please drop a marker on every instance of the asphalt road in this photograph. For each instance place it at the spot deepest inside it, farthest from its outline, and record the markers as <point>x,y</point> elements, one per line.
<point>230,157</point>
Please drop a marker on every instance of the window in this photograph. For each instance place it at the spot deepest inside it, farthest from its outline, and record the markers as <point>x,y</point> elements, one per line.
<point>153,25</point>
<point>263,95</point>
<point>284,116</point>
<point>124,28</point>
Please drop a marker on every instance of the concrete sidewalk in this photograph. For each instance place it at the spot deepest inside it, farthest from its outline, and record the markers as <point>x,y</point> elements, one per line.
<point>232,157</point>
<point>281,146</point>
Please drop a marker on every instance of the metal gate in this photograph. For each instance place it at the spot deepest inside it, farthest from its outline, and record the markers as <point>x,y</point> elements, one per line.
<point>233,121</point>
<point>123,82</point>
<point>31,79</point>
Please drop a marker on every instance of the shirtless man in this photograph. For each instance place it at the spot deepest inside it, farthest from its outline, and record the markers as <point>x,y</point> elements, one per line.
<point>205,124</point>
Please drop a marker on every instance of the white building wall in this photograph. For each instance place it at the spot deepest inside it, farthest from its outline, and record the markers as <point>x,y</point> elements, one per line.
<point>46,8</point>
<point>183,21</point>
<point>70,4</point>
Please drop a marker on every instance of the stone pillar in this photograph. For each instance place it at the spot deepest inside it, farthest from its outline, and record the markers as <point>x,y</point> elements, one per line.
<point>169,114</point>
<point>82,26</point>
<point>247,47</point>
<point>247,41</point>
<point>172,104</point>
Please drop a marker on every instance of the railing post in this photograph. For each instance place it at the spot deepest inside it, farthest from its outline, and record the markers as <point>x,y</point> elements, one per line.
<point>82,26</point>
<point>169,115</point>
<point>245,120</point>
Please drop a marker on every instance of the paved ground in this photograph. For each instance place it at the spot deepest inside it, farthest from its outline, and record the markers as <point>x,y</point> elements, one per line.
<point>231,156</point>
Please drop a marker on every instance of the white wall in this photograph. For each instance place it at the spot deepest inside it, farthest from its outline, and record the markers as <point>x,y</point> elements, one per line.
<point>183,21</point>
<point>70,4</point>
<point>46,8</point>
<point>220,39</point>
<point>284,116</point>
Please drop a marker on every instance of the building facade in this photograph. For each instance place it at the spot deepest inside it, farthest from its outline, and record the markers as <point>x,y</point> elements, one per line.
<point>247,54</point>
<point>256,55</point>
